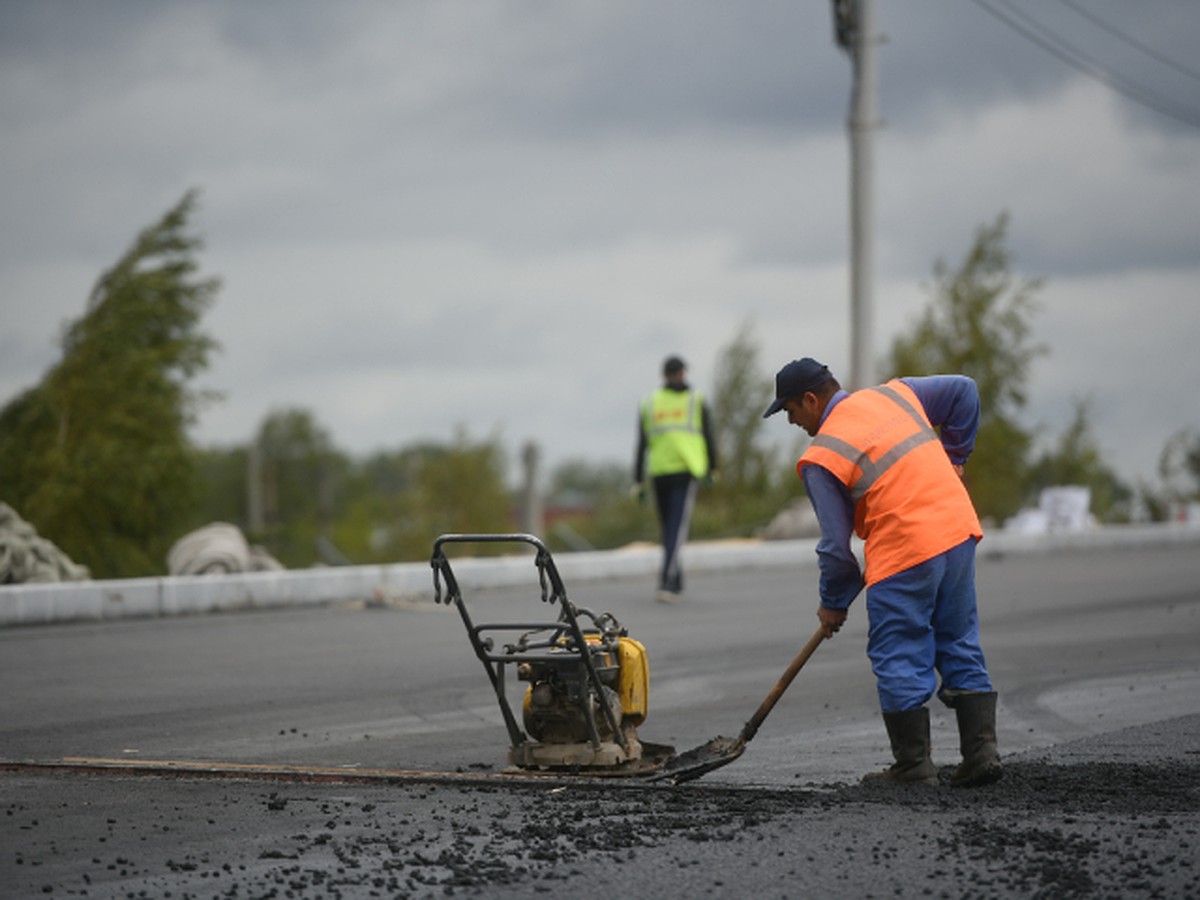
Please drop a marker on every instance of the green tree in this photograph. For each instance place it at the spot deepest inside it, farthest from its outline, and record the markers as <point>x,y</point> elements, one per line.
<point>459,488</point>
<point>752,487</point>
<point>578,482</point>
<point>978,323</point>
<point>1076,460</point>
<point>1178,475</point>
<point>96,456</point>
<point>738,398</point>
<point>591,506</point>
<point>299,473</point>
<point>1179,465</point>
<point>223,473</point>
<point>373,490</point>
<point>398,503</point>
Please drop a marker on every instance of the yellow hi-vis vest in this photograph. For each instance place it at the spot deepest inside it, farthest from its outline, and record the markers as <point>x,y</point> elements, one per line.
<point>674,430</point>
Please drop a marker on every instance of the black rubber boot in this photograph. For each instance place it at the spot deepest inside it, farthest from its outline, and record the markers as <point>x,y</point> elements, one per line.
<point>976,715</point>
<point>908,732</point>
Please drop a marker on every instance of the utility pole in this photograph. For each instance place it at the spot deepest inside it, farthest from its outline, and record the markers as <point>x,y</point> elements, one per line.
<point>854,29</point>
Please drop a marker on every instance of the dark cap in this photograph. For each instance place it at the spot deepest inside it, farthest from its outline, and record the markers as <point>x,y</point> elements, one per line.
<point>673,365</point>
<point>797,378</point>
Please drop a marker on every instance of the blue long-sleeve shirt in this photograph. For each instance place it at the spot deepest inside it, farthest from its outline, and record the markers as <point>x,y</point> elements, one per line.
<point>951,404</point>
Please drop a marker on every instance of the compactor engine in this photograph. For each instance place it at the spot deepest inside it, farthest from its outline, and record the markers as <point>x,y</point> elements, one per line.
<point>562,705</point>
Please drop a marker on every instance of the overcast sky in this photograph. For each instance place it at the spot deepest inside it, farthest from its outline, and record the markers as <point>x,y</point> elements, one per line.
<point>502,216</point>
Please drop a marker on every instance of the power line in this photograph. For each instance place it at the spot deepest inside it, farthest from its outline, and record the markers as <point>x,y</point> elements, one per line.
<point>1082,62</point>
<point>1132,42</point>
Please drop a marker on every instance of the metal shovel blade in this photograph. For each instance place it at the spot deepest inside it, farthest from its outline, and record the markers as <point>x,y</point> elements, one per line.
<point>721,751</point>
<point>718,752</point>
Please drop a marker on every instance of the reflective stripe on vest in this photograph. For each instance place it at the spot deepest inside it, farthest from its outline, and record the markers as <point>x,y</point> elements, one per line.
<point>871,471</point>
<point>674,433</point>
<point>909,504</point>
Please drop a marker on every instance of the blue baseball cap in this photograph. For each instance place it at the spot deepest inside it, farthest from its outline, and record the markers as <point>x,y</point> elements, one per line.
<point>797,378</point>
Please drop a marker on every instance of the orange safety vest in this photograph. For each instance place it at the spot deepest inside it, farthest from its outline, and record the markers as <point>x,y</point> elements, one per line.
<point>909,504</point>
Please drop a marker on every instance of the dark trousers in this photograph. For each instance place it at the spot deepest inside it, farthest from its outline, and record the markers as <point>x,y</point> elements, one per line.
<point>674,495</point>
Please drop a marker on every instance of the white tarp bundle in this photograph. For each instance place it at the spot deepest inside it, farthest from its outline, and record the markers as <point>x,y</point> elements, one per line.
<point>1063,509</point>
<point>26,557</point>
<point>219,548</point>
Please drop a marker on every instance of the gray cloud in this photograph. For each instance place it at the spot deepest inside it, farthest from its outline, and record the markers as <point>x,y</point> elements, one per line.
<point>505,214</point>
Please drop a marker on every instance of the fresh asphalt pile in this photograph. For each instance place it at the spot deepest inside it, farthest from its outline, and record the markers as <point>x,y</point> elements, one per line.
<point>1116,816</point>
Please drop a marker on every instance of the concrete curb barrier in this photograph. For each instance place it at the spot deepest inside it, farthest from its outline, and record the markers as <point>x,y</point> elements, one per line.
<point>34,604</point>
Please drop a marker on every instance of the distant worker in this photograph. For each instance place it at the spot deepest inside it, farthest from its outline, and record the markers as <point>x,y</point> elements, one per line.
<point>877,466</point>
<point>676,447</point>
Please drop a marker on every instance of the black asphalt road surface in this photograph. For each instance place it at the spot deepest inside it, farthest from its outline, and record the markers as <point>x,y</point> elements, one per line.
<point>1095,656</point>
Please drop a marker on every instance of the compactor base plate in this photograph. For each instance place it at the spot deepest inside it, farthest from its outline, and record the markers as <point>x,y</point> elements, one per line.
<point>606,762</point>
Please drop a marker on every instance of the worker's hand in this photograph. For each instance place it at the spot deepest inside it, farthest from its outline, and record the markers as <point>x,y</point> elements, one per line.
<point>638,492</point>
<point>832,620</point>
<point>711,478</point>
<point>958,470</point>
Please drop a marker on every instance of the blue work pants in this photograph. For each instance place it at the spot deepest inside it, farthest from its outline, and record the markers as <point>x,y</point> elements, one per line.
<point>923,623</point>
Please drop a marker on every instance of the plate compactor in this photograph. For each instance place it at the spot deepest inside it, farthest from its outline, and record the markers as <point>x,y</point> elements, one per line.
<point>588,681</point>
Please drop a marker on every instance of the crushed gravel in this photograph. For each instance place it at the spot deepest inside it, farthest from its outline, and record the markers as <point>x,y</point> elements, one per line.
<point>1059,825</point>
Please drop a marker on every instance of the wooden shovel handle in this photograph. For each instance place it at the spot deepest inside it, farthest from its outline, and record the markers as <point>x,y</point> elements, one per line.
<point>768,704</point>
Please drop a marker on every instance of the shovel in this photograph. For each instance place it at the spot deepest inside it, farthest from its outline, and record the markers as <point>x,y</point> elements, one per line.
<point>721,751</point>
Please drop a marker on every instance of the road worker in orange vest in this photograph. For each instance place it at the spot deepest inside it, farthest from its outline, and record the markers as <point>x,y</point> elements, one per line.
<point>878,468</point>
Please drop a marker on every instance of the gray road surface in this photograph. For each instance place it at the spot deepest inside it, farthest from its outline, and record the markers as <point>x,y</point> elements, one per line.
<point>1095,656</point>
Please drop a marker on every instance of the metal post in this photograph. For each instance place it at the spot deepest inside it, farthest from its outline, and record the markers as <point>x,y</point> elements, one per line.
<point>855,30</point>
<point>532,515</point>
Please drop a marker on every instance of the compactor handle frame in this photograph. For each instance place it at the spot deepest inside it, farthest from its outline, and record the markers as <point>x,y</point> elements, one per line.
<point>553,591</point>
